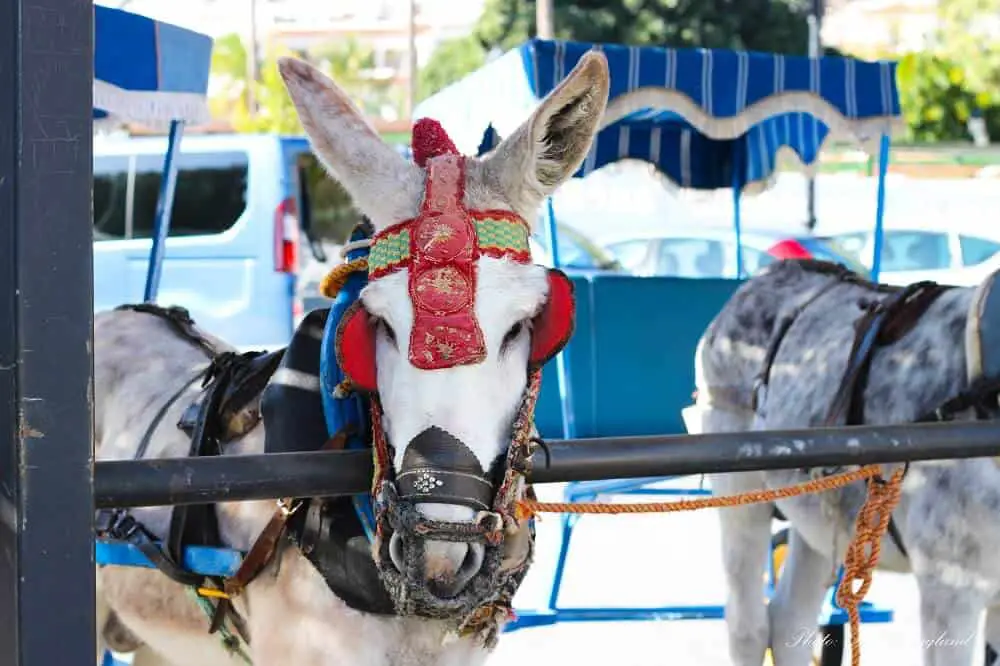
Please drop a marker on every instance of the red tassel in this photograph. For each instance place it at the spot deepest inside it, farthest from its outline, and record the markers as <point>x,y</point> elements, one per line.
<point>430,140</point>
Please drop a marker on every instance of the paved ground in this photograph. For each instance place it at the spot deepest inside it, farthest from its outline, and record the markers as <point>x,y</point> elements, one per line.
<point>659,560</point>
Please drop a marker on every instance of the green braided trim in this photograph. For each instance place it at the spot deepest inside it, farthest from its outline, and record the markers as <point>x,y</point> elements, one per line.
<point>493,234</point>
<point>389,250</point>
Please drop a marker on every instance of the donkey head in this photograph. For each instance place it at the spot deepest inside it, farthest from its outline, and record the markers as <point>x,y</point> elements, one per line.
<point>455,321</point>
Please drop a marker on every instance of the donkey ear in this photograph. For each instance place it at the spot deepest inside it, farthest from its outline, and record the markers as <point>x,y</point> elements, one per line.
<point>381,182</point>
<point>549,147</point>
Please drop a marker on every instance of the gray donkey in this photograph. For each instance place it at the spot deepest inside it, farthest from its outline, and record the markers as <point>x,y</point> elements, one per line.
<point>808,344</point>
<point>447,339</point>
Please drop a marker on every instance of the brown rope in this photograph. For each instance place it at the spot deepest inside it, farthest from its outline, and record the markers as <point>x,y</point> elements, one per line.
<point>335,279</point>
<point>528,508</point>
<point>869,528</point>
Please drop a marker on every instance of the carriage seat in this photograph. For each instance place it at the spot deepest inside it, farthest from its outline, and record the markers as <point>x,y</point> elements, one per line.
<point>982,330</point>
<point>291,405</point>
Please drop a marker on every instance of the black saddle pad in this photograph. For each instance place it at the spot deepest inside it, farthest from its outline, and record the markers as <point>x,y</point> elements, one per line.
<point>292,406</point>
<point>983,330</point>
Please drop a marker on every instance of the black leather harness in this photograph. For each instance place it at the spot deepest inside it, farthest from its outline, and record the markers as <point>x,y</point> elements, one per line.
<point>883,323</point>
<point>327,531</point>
<point>228,384</point>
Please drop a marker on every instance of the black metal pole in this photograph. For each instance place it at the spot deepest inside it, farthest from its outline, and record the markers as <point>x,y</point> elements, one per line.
<point>815,51</point>
<point>252,477</point>
<point>46,333</point>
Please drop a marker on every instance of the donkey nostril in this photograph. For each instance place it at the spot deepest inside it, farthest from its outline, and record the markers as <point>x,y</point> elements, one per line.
<point>396,551</point>
<point>466,572</point>
<point>471,564</point>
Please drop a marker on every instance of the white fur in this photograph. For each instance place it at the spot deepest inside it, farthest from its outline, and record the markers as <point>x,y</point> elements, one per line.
<point>293,617</point>
<point>474,403</point>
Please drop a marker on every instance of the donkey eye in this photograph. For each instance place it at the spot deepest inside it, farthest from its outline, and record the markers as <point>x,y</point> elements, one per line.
<point>383,325</point>
<point>512,335</point>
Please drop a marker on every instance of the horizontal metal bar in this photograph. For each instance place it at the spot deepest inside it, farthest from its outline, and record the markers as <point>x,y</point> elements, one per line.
<point>318,474</point>
<point>168,481</point>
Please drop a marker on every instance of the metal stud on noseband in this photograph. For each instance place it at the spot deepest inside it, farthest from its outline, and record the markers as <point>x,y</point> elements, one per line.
<point>441,248</point>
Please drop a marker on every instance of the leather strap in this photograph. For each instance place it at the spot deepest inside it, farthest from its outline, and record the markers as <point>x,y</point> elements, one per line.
<point>883,323</point>
<point>764,377</point>
<point>179,319</point>
<point>155,423</point>
<point>168,566</point>
<point>264,548</point>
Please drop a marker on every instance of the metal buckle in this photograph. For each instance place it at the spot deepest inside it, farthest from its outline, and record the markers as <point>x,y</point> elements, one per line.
<point>758,390</point>
<point>288,506</point>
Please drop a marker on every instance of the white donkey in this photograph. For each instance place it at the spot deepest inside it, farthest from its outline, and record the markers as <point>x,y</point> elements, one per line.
<point>452,328</point>
<point>793,331</point>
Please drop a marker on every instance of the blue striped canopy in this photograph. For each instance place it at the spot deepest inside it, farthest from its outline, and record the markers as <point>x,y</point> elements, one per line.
<point>706,118</point>
<point>147,71</point>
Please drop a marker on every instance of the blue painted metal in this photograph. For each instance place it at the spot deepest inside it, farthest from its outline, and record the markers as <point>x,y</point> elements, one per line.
<point>562,364</point>
<point>588,491</point>
<point>883,168</point>
<point>737,222</point>
<point>350,409</point>
<point>164,209</point>
<point>198,559</point>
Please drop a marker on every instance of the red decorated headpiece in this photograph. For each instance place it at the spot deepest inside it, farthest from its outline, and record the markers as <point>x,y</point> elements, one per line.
<point>430,140</point>
<point>441,248</point>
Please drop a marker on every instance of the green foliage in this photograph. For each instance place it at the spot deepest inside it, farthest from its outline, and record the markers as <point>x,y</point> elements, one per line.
<point>762,25</point>
<point>959,76</point>
<point>934,101</point>
<point>967,35</point>
<point>229,68</point>
<point>347,62</point>
<point>757,25</point>
<point>275,111</point>
<point>449,62</point>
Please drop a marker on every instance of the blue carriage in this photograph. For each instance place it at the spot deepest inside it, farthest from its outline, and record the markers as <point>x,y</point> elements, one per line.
<point>154,74</point>
<point>706,120</point>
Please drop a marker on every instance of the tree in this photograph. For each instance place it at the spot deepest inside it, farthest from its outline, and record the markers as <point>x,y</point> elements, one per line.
<point>348,62</point>
<point>957,77</point>
<point>757,25</point>
<point>762,25</point>
<point>229,71</point>
<point>449,62</point>
<point>969,33</point>
<point>275,111</point>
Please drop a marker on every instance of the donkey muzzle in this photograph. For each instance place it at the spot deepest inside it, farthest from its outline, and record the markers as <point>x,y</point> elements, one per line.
<point>443,480</point>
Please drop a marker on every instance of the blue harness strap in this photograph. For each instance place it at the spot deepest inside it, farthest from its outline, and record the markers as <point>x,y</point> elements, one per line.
<point>352,408</point>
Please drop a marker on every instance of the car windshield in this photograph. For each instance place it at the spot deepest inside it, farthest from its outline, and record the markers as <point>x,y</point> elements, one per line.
<point>577,251</point>
<point>828,249</point>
